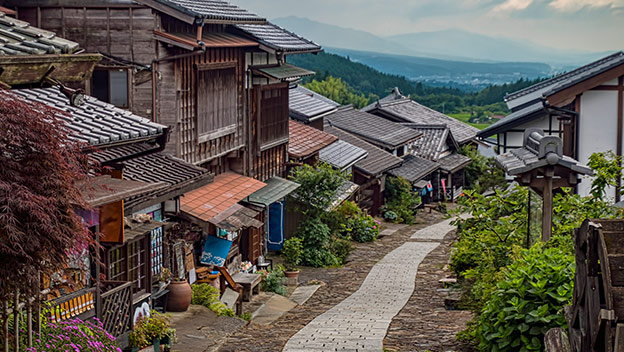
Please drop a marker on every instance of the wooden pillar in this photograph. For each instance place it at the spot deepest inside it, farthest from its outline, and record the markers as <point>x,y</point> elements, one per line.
<point>98,284</point>
<point>547,208</point>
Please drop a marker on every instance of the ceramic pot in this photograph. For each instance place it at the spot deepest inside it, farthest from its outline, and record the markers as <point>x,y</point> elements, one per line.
<point>156,344</point>
<point>294,273</point>
<point>179,297</point>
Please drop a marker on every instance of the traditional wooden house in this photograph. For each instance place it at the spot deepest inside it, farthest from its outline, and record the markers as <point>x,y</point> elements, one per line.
<point>305,143</point>
<point>385,134</point>
<point>583,107</point>
<point>309,107</point>
<point>342,155</point>
<point>370,172</point>
<point>399,108</point>
<point>438,145</point>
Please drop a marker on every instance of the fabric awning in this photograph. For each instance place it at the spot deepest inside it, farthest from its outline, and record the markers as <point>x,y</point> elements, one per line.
<point>276,189</point>
<point>283,72</point>
<point>237,217</point>
<point>102,190</point>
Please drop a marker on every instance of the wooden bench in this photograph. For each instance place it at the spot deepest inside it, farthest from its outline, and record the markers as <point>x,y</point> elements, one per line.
<point>249,283</point>
<point>430,207</point>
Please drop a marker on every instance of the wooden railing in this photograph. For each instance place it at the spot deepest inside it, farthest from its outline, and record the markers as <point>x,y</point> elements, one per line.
<point>80,304</point>
<point>117,307</point>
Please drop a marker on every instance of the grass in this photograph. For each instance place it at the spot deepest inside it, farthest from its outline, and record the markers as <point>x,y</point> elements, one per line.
<point>464,117</point>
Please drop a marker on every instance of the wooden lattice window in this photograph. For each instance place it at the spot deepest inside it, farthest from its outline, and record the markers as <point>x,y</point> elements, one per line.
<point>137,265</point>
<point>157,252</point>
<point>274,114</point>
<point>117,264</point>
<point>217,100</point>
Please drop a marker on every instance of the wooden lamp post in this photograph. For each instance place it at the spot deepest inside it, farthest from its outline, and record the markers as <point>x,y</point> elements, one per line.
<point>541,165</point>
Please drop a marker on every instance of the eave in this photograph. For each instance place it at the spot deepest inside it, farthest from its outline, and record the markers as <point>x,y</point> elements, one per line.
<point>33,69</point>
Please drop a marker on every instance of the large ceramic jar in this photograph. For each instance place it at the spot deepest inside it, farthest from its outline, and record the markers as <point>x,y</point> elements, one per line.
<point>179,297</point>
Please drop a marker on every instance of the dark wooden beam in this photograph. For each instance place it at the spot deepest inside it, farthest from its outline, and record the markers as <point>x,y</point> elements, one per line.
<point>620,125</point>
<point>560,98</point>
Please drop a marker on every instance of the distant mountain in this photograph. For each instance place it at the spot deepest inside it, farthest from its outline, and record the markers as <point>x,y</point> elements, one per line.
<point>453,44</point>
<point>465,75</point>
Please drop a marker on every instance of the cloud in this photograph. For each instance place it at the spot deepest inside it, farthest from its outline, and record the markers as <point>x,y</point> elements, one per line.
<point>511,5</point>
<point>576,5</point>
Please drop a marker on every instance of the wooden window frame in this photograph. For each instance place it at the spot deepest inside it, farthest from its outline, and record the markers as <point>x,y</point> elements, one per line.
<point>108,69</point>
<point>261,91</point>
<point>203,137</point>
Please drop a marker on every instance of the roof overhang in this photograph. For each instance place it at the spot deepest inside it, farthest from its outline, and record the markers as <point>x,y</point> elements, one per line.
<point>561,96</point>
<point>276,189</point>
<point>191,17</point>
<point>34,69</point>
<point>209,40</point>
<point>102,190</point>
<point>284,72</point>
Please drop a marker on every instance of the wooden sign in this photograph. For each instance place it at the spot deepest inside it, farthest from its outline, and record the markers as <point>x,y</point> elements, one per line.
<point>189,258</point>
<point>178,250</point>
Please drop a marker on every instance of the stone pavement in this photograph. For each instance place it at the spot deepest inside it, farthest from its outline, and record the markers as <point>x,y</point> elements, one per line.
<point>360,322</point>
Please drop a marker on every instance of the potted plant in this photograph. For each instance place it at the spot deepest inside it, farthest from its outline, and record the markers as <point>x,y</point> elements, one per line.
<point>180,295</point>
<point>164,278</point>
<point>150,331</point>
<point>291,253</point>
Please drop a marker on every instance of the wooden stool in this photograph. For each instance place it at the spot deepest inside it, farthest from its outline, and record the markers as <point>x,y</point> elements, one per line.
<point>249,283</point>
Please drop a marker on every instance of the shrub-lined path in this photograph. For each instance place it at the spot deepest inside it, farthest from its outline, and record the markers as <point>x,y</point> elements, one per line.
<point>361,321</point>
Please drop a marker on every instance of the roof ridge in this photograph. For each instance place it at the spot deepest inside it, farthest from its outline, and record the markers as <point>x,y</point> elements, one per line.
<point>558,78</point>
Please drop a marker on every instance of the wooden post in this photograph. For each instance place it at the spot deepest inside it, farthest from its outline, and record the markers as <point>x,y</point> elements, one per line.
<point>5,325</point>
<point>547,208</point>
<point>98,285</point>
<point>29,322</point>
<point>16,320</point>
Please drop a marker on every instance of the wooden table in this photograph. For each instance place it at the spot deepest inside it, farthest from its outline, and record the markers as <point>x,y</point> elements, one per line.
<point>249,282</point>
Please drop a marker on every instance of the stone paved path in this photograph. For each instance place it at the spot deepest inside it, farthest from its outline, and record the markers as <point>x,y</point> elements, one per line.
<point>360,322</point>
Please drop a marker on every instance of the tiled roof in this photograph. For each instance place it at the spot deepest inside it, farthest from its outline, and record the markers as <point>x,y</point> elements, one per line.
<point>342,155</point>
<point>237,217</point>
<point>372,128</point>
<point>95,122</point>
<point>376,162</point>
<point>407,110</point>
<point>435,140</point>
<point>514,119</point>
<point>123,152</point>
<point>102,190</point>
<point>284,72</point>
<point>20,38</point>
<point>562,81</point>
<point>304,140</point>
<point>276,188</point>
<point>344,192</point>
<point>215,10</point>
<point>209,40</point>
<point>414,168</point>
<point>279,39</point>
<point>306,105</point>
<point>227,189</point>
<point>454,162</point>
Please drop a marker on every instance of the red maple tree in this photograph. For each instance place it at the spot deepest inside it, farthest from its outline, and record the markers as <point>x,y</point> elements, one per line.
<point>39,167</point>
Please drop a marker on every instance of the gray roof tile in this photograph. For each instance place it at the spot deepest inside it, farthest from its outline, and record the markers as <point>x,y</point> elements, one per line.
<point>376,162</point>
<point>20,38</point>
<point>414,168</point>
<point>372,128</point>
<point>276,188</point>
<point>306,105</point>
<point>407,110</point>
<point>341,154</point>
<point>213,10</point>
<point>278,38</point>
<point>435,140</point>
<point>95,122</point>
<point>454,162</point>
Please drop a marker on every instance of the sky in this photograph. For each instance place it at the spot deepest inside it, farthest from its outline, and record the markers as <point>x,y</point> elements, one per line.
<point>584,25</point>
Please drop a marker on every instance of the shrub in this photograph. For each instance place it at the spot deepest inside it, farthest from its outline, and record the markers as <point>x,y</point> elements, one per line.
<point>341,249</point>
<point>319,185</point>
<point>147,329</point>
<point>400,200</point>
<point>74,335</point>
<point>390,216</point>
<point>348,221</point>
<point>483,173</point>
<point>274,281</point>
<point>316,243</point>
<point>363,229</point>
<point>528,301</point>
<point>208,296</point>
<point>291,252</point>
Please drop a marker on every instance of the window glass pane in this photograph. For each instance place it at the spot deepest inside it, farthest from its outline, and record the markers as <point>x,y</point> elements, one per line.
<point>119,88</point>
<point>99,82</point>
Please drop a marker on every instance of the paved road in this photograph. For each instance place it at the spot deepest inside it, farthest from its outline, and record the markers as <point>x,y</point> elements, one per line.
<point>360,322</point>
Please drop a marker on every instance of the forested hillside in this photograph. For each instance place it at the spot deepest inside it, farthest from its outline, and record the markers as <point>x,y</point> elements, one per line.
<point>369,84</point>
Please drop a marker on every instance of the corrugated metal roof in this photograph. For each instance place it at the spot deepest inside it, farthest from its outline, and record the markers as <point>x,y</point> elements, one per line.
<point>284,72</point>
<point>414,168</point>
<point>20,38</point>
<point>95,122</point>
<point>407,110</point>
<point>217,10</point>
<point>376,162</point>
<point>372,128</point>
<point>276,189</point>
<point>279,39</point>
<point>304,141</point>
<point>562,81</point>
<point>306,105</point>
<point>342,155</point>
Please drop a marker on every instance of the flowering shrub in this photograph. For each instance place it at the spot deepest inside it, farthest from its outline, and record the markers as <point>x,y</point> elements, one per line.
<point>363,228</point>
<point>74,335</point>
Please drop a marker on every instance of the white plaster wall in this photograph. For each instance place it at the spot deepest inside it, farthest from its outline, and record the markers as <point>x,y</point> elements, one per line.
<point>514,139</point>
<point>613,82</point>
<point>597,129</point>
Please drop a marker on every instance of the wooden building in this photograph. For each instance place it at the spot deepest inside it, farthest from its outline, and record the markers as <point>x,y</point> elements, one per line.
<point>584,107</point>
<point>309,107</point>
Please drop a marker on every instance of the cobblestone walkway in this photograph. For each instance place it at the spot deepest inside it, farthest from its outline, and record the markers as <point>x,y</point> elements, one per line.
<point>360,322</point>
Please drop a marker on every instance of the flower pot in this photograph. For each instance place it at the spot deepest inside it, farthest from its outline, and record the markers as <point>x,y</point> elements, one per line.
<point>179,297</point>
<point>293,273</point>
<point>156,344</point>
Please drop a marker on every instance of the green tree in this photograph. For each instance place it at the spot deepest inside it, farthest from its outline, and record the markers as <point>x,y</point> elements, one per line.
<point>607,168</point>
<point>483,173</point>
<point>318,187</point>
<point>339,91</point>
